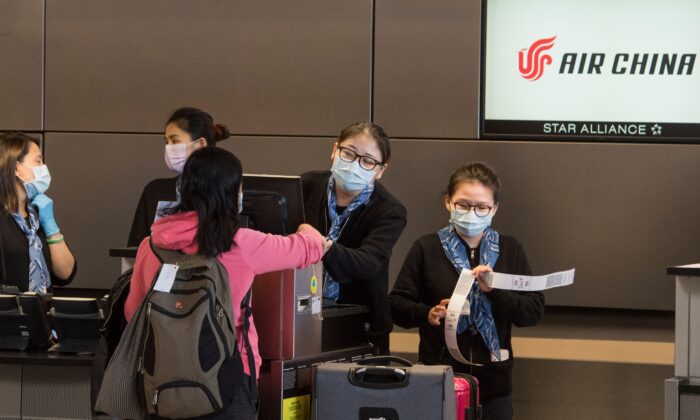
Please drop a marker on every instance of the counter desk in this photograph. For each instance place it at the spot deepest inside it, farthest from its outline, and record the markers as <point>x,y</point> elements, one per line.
<point>41,385</point>
<point>682,392</point>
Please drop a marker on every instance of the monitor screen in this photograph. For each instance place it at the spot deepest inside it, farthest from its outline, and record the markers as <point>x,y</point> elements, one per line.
<point>617,70</point>
<point>273,203</point>
<point>14,334</point>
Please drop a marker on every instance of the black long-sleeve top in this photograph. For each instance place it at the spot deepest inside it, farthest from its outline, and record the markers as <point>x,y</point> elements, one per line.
<point>359,259</point>
<point>161,189</point>
<point>427,276</point>
<point>14,256</point>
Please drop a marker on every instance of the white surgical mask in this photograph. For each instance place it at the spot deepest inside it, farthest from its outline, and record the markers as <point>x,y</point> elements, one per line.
<point>350,176</point>
<point>41,182</point>
<point>468,223</point>
<point>240,202</point>
<point>176,156</point>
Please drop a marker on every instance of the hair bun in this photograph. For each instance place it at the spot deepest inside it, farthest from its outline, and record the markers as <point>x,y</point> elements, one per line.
<point>221,132</point>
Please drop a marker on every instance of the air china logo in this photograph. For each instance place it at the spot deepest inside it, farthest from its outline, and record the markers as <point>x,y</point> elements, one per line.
<point>533,60</point>
<point>533,67</point>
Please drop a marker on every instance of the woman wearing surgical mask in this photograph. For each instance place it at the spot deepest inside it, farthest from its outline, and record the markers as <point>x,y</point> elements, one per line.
<point>34,255</point>
<point>187,129</point>
<point>429,274</point>
<point>363,220</point>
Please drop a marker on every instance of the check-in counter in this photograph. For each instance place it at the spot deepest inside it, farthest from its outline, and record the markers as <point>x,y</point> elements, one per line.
<point>294,335</point>
<point>41,385</point>
<point>682,392</point>
<point>285,386</point>
<point>287,311</point>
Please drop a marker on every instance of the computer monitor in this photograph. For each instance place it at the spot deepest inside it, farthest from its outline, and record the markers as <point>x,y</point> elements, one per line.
<point>273,203</point>
<point>14,334</point>
<point>77,322</point>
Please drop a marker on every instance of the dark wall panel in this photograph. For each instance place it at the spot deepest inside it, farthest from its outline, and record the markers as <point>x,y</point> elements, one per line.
<point>263,67</point>
<point>97,180</point>
<point>21,64</point>
<point>427,68</point>
<point>281,155</point>
<point>588,390</point>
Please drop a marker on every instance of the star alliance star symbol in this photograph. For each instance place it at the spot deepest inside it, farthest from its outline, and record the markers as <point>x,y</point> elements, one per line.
<point>656,129</point>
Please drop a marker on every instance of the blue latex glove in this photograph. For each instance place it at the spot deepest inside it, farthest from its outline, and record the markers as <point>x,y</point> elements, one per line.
<point>45,207</point>
<point>31,191</point>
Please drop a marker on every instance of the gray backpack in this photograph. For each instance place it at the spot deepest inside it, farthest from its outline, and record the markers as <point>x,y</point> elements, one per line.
<point>189,362</point>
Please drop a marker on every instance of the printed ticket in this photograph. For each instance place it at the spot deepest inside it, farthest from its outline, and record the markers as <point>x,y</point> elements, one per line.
<point>529,283</point>
<point>459,304</point>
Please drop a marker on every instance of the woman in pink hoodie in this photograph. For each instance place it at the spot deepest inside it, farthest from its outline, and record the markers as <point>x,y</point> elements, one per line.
<point>206,222</point>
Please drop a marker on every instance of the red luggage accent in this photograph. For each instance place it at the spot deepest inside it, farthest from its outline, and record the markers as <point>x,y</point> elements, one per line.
<point>467,397</point>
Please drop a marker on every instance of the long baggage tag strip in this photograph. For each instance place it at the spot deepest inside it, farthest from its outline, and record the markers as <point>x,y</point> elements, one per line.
<point>459,304</point>
<point>529,283</point>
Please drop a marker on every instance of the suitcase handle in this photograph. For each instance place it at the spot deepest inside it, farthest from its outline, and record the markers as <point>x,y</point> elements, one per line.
<point>384,361</point>
<point>378,377</point>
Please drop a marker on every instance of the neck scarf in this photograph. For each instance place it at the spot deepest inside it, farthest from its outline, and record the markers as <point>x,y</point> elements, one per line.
<point>178,182</point>
<point>480,305</point>
<point>39,278</point>
<point>331,288</point>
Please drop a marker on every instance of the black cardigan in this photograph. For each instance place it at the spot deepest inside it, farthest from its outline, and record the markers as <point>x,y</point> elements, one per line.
<point>359,259</point>
<point>162,189</point>
<point>428,276</point>
<point>14,256</point>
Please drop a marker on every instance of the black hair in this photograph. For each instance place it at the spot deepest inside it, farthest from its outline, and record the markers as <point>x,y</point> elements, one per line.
<point>373,130</point>
<point>475,171</point>
<point>198,123</point>
<point>210,183</point>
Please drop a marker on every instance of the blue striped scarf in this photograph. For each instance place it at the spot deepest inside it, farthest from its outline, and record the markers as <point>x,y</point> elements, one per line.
<point>331,288</point>
<point>39,278</point>
<point>480,305</point>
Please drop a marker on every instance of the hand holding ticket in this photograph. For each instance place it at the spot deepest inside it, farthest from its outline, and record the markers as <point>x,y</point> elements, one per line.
<point>529,283</point>
<point>459,300</point>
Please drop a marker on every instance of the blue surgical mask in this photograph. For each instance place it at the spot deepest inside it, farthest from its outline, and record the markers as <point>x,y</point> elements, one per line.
<point>468,223</point>
<point>41,182</point>
<point>350,176</point>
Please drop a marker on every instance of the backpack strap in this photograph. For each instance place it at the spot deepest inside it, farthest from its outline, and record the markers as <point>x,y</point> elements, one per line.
<point>165,256</point>
<point>184,261</point>
<point>245,306</point>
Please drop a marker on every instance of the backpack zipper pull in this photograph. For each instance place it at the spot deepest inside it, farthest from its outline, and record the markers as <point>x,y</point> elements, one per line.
<point>155,397</point>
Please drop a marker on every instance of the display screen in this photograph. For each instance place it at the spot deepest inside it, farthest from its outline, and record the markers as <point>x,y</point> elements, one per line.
<point>616,70</point>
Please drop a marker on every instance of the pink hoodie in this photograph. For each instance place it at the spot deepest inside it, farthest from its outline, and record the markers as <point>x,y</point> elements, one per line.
<point>253,253</point>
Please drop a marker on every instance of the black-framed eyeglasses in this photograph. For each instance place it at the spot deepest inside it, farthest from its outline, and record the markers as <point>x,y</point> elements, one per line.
<point>481,210</point>
<point>368,163</point>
